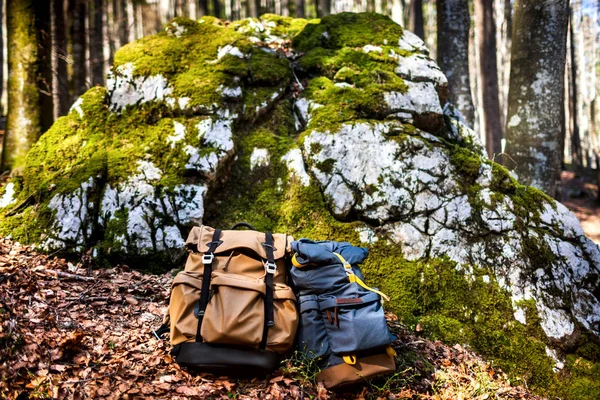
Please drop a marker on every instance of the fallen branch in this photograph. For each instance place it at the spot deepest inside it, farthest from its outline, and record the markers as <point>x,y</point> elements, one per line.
<point>62,274</point>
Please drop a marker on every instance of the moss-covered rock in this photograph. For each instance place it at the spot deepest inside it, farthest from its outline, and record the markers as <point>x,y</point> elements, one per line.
<point>334,129</point>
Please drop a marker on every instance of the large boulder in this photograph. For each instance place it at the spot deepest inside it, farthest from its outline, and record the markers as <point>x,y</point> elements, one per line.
<point>332,129</point>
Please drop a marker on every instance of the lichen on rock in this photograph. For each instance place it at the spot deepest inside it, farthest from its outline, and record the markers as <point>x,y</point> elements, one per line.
<point>332,129</point>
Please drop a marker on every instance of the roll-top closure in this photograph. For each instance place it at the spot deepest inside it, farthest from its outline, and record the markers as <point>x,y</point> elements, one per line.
<point>252,240</point>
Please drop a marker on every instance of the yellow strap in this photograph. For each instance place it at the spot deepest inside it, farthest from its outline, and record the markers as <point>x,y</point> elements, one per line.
<point>353,278</point>
<point>390,351</point>
<point>295,262</point>
<point>351,360</point>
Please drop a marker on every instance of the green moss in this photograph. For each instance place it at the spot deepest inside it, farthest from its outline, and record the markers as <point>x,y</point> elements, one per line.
<point>502,181</point>
<point>348,30</point>
<point>268,68</point>
<point>467,165</point>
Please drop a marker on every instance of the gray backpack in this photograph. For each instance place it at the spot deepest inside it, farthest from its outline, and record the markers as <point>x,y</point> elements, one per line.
<point>342,321</point>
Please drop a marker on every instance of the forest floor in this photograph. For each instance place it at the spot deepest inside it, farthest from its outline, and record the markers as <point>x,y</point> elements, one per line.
<point>67,331</point>
<point>580,195</point>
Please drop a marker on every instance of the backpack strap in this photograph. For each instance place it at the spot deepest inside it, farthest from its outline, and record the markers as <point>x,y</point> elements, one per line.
<point>355,279</point>
<point>270,268</point>
<point>207,260</point>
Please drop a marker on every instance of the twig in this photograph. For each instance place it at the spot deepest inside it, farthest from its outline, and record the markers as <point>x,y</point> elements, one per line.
<point>67,275</point>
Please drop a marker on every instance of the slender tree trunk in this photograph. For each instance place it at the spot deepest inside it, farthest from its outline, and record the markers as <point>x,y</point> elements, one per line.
<point>397,12</point>
<point>576,153</point>
<point>79,40</point>
<point>202,8</point>
<point>123,22</point>
<point>535,100</point>
<point>416,22</point>
<point>24,114</point>
<point>253,8</point>
<point>488,71</point>
<point>216,8</point>
<point>285,8</point>
<point>44,78</point>
<point>323,8</point>
<point>96,43</point>
<point>453,53</point>
<point>60,79</point>
<point>300,11</point>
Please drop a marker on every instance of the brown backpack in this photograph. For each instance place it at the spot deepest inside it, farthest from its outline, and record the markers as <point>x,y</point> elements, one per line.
<point>231,309</point>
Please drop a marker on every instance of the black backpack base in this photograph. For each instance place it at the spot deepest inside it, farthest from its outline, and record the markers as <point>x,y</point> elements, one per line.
<point>224,359</point>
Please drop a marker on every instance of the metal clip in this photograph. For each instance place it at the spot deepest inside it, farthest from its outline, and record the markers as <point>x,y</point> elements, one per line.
<point>207,259</point>
<point>271,267</point>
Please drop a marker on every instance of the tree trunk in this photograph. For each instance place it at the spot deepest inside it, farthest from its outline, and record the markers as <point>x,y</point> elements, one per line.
<point>535,97</point>
<point>60,78</point>
<point>397,12</point>
<point>253,8</point>
<point>24,113</point>
<point>323,8</point>
<point>216,8</point>
<point>300,11</point>
<point>44,59</point>
<point>202,8</point>
<point>453,53</point>
<point>122,22</point>
<point>96,43</point>
<point>79,39</point>
<point>488,72</point>
<point>416,23</point>
<point>576,153</point>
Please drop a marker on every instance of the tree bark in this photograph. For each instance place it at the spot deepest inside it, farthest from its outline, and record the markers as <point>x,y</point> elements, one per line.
<point>323,8</point>
<point>453,53</point>
<point>300,11</point>
<point>488,72</point>
<point>24,114</point>
<point>416,22</point>
<point>79,39</point>
<point>202,8</point>
<point>96,43</point>
<point>123,23</point>
<point>253,8</point>
<point>576,153</point>
<point>44,58</point>
<point>60,78</point>
<point>216,8</point>
<point>535,97</point>
<point>397,12</point>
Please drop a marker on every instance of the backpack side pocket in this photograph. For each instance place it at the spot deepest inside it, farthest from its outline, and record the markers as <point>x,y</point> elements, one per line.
<point>185,294</point>
<point>312,335</point>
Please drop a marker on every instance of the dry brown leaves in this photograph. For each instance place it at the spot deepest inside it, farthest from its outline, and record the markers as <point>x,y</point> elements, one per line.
<point>68,332</point>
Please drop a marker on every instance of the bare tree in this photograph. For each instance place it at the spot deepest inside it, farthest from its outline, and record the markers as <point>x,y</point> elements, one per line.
<point>488,73</point>
<point>77,9</point>
<point>300,11</point>
<point>416,22</point>
<point>535,97</point>
<point>24,112</point>
<point>60,78</point>
<point>453,53</point>
<point>576,153</point>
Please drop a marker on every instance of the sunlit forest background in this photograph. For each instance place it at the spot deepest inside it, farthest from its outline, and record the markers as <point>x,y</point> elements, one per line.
<point>77,39</point>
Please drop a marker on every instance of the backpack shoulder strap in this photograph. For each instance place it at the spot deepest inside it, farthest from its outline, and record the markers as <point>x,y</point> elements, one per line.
<point>270,268</point>
<point>207,260</point>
